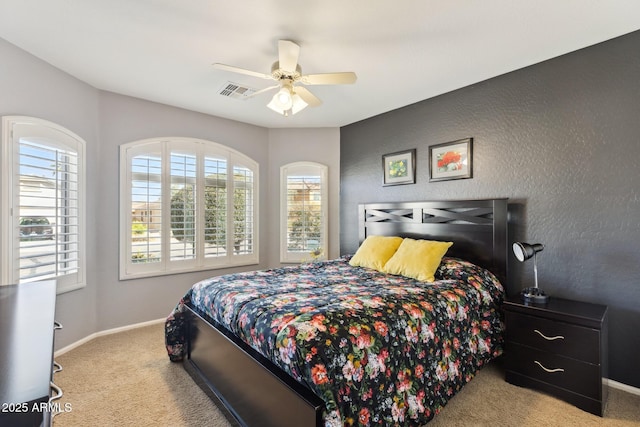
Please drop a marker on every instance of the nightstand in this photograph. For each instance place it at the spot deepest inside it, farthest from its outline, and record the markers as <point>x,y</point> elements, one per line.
<point>559,348</point>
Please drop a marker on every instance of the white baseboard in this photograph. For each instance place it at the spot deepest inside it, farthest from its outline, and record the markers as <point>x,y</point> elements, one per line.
<point>623,387</point>
<point>107,332</point>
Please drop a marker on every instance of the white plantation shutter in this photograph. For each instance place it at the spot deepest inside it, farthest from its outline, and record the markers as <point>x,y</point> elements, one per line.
<point>43,203</point>
<point>303,212</point>
<point>243,210</point>
<point>146,210</point>
<point>215,206</point>
<point>187,205</point>
<point>183,205</point>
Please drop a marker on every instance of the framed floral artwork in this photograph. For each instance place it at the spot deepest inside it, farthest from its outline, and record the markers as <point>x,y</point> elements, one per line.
<point>451,160</point>
<point>399,168</point>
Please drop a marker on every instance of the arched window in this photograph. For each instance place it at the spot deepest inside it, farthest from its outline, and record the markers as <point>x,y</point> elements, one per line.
<point>43,203</point>
<point>186,204</point>
<point>303,212</point>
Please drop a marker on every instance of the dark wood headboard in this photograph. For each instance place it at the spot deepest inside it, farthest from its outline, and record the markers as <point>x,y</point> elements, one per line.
<point>477,228</point>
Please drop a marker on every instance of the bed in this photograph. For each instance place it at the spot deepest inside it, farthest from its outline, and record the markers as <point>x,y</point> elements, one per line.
<point>327,343</point>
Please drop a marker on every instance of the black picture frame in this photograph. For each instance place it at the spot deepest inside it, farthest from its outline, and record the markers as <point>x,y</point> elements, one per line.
<point>399,168</point>
<point>451,160</point>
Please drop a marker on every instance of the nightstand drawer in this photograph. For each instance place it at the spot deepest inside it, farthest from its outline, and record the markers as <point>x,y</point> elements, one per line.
<point>569,374</point>
<point>564,339</point>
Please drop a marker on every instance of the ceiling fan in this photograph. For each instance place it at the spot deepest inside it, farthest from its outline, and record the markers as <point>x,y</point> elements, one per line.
<point>291,97</point>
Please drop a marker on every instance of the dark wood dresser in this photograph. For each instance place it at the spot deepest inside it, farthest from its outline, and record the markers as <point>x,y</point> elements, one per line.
<point>26,353</point>
<point>559,348</point>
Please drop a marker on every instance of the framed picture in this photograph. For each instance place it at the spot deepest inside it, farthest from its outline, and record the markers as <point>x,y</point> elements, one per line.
<point>399,168</point>
<point>451,160</point>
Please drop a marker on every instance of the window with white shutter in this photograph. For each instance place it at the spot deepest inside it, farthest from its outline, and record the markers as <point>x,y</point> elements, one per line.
<point>43,230</point>
<point>303,212</point>
<point>187,204</point>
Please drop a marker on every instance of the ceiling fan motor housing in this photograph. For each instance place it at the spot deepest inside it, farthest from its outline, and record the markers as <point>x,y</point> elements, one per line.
<point>279,74</point>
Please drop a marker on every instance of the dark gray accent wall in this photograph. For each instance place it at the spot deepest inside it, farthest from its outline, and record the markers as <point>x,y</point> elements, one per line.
<point>561,140</point>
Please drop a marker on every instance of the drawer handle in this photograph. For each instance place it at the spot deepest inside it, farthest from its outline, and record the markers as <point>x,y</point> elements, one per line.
<point>551,371</point>
<point>57,325</point>
<point>58,394</point>
<point>56,367</point>
<point>57,390</point>
<point>558,337</point>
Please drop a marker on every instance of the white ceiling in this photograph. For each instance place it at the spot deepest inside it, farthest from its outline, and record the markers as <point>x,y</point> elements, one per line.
<point>403,51</point>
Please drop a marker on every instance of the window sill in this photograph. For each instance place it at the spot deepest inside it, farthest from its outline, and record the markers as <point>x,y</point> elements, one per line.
<point>133,276</point>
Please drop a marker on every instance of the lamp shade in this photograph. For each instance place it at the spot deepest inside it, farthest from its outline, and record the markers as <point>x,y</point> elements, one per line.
<point>282,100</point>
<point>524,251</point>
<point>298,104</point>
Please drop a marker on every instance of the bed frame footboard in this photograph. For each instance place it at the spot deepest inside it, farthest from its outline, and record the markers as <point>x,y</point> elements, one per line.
<point>254,390</point>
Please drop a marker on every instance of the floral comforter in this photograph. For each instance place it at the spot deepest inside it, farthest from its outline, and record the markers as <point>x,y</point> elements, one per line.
<point>378,349</point>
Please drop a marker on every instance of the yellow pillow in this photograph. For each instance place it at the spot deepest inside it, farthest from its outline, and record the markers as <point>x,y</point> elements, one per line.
<point>418,259</point>
<point>375,251</point>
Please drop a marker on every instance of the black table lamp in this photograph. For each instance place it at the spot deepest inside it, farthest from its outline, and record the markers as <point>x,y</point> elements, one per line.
<point>524,251</point>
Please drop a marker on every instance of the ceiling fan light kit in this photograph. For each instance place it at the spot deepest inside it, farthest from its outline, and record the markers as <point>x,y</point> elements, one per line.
<point>283,99</point>
<point>287,102</point>
<point>291,99</point>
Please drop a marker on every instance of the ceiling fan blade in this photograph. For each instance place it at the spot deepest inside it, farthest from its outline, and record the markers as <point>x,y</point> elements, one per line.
<point>233,69</point>
<point>307,96</point>
<point>288,53</point>
<point>329,79</point>
<point>261,91</point>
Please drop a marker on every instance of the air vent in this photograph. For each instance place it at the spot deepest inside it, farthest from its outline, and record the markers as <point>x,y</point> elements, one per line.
<point>234,90</point>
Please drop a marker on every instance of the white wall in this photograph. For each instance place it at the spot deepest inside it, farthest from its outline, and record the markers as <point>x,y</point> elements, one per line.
<point>124,119</point>
<point>31,87</point>
<point>106,120</point>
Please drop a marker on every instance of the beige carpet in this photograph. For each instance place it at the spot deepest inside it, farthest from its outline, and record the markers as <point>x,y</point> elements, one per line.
<point>126,379</point>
